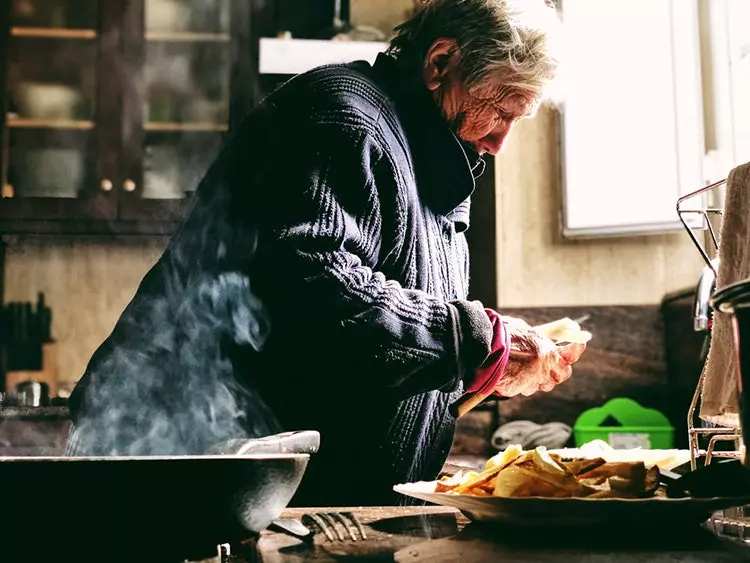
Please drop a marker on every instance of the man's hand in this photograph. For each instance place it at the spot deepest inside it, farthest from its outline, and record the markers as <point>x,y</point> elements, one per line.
<point>535,363</point>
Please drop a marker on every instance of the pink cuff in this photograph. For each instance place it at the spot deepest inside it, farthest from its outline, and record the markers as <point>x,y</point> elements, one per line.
<point>490,372</point>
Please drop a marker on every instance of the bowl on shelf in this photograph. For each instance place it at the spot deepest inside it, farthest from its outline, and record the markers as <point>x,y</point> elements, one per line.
<point>42,100</point>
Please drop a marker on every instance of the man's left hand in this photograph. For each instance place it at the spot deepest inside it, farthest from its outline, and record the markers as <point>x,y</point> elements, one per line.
<point>535,363</point>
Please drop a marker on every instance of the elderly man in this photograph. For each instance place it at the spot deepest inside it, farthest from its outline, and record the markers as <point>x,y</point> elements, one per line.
<point>343,199</point>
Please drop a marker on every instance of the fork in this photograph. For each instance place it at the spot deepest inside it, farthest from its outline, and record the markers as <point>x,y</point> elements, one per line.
<point>330,523</point>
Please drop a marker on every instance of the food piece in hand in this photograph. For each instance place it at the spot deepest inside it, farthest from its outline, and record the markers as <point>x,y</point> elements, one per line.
<point>536,474</point>
<point>565,331</point>
<point>536,362</point>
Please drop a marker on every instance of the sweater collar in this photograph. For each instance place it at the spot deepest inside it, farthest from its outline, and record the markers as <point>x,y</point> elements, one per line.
<point>445,166</point>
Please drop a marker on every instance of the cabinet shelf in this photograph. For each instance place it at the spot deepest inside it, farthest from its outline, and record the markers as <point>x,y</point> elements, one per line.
<point>53,33</point>
<point>23,123</point>
<point>167,126</point>
<point>187,37</point>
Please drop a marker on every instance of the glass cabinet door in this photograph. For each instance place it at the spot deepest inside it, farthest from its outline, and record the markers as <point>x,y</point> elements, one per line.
<point>186,73</point>
<point>49,142</point>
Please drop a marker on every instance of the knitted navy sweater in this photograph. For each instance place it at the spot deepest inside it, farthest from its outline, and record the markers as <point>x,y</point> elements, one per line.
<point>344,198</point>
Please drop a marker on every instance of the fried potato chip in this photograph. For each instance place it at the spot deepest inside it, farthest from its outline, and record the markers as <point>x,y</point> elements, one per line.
<point>510,454</point>
<point>486,476</point>
<point>536,474</point>
<point>539,473</point>
<point>447,484</point>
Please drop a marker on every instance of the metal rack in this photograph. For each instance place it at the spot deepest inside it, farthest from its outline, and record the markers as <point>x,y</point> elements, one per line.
<point>715,434</point>
<point>706,212</point>
<point>735,522</point>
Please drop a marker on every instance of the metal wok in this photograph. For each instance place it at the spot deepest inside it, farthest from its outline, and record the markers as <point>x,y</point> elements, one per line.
<point>147,508</point>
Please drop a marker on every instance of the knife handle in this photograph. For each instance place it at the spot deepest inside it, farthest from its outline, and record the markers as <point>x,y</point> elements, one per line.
<point>467,402</point>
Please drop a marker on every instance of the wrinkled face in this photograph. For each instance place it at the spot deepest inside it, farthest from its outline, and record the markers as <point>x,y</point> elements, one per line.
<point>484,116</point>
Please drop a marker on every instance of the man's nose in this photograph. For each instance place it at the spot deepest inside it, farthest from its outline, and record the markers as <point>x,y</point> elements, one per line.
<point>494,141</point>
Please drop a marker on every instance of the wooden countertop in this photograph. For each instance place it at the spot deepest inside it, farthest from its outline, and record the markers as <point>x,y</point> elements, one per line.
<point>438,534</point>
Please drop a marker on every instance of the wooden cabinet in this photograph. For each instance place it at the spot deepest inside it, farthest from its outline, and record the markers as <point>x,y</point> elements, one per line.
<point>113,109</point>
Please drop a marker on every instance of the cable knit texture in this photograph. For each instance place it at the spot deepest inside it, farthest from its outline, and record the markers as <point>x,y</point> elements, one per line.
<point>358,193</point>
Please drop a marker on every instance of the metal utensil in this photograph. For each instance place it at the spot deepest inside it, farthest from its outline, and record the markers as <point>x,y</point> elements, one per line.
<point>336,526</point>
<point>327,522</point>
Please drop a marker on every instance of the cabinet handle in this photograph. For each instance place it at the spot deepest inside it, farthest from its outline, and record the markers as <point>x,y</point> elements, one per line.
<point>128,186</point>
<point>106,185</point>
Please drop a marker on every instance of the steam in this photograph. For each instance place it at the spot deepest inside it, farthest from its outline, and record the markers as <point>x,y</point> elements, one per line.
<point>170,389</point>
<point>163,383</point>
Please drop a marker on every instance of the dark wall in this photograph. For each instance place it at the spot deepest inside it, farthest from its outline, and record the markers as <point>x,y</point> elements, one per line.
<point>482,238</point>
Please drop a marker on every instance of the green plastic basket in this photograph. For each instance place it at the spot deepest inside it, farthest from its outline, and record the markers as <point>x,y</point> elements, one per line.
<point>636,426</point>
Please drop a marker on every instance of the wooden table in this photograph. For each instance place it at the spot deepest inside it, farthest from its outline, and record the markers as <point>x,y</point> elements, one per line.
<point>441,535</point>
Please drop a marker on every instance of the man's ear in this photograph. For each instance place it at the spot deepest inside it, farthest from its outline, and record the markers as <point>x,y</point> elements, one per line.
<point>440,62</point>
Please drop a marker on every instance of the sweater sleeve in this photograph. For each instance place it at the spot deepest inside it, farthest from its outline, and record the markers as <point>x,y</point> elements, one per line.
<point>325,220</point>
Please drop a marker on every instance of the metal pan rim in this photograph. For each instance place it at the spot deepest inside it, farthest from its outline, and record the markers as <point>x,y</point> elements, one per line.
<point>121,458</point>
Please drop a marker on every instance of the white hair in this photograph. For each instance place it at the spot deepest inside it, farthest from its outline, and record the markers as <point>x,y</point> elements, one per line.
<point>510,42</point>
